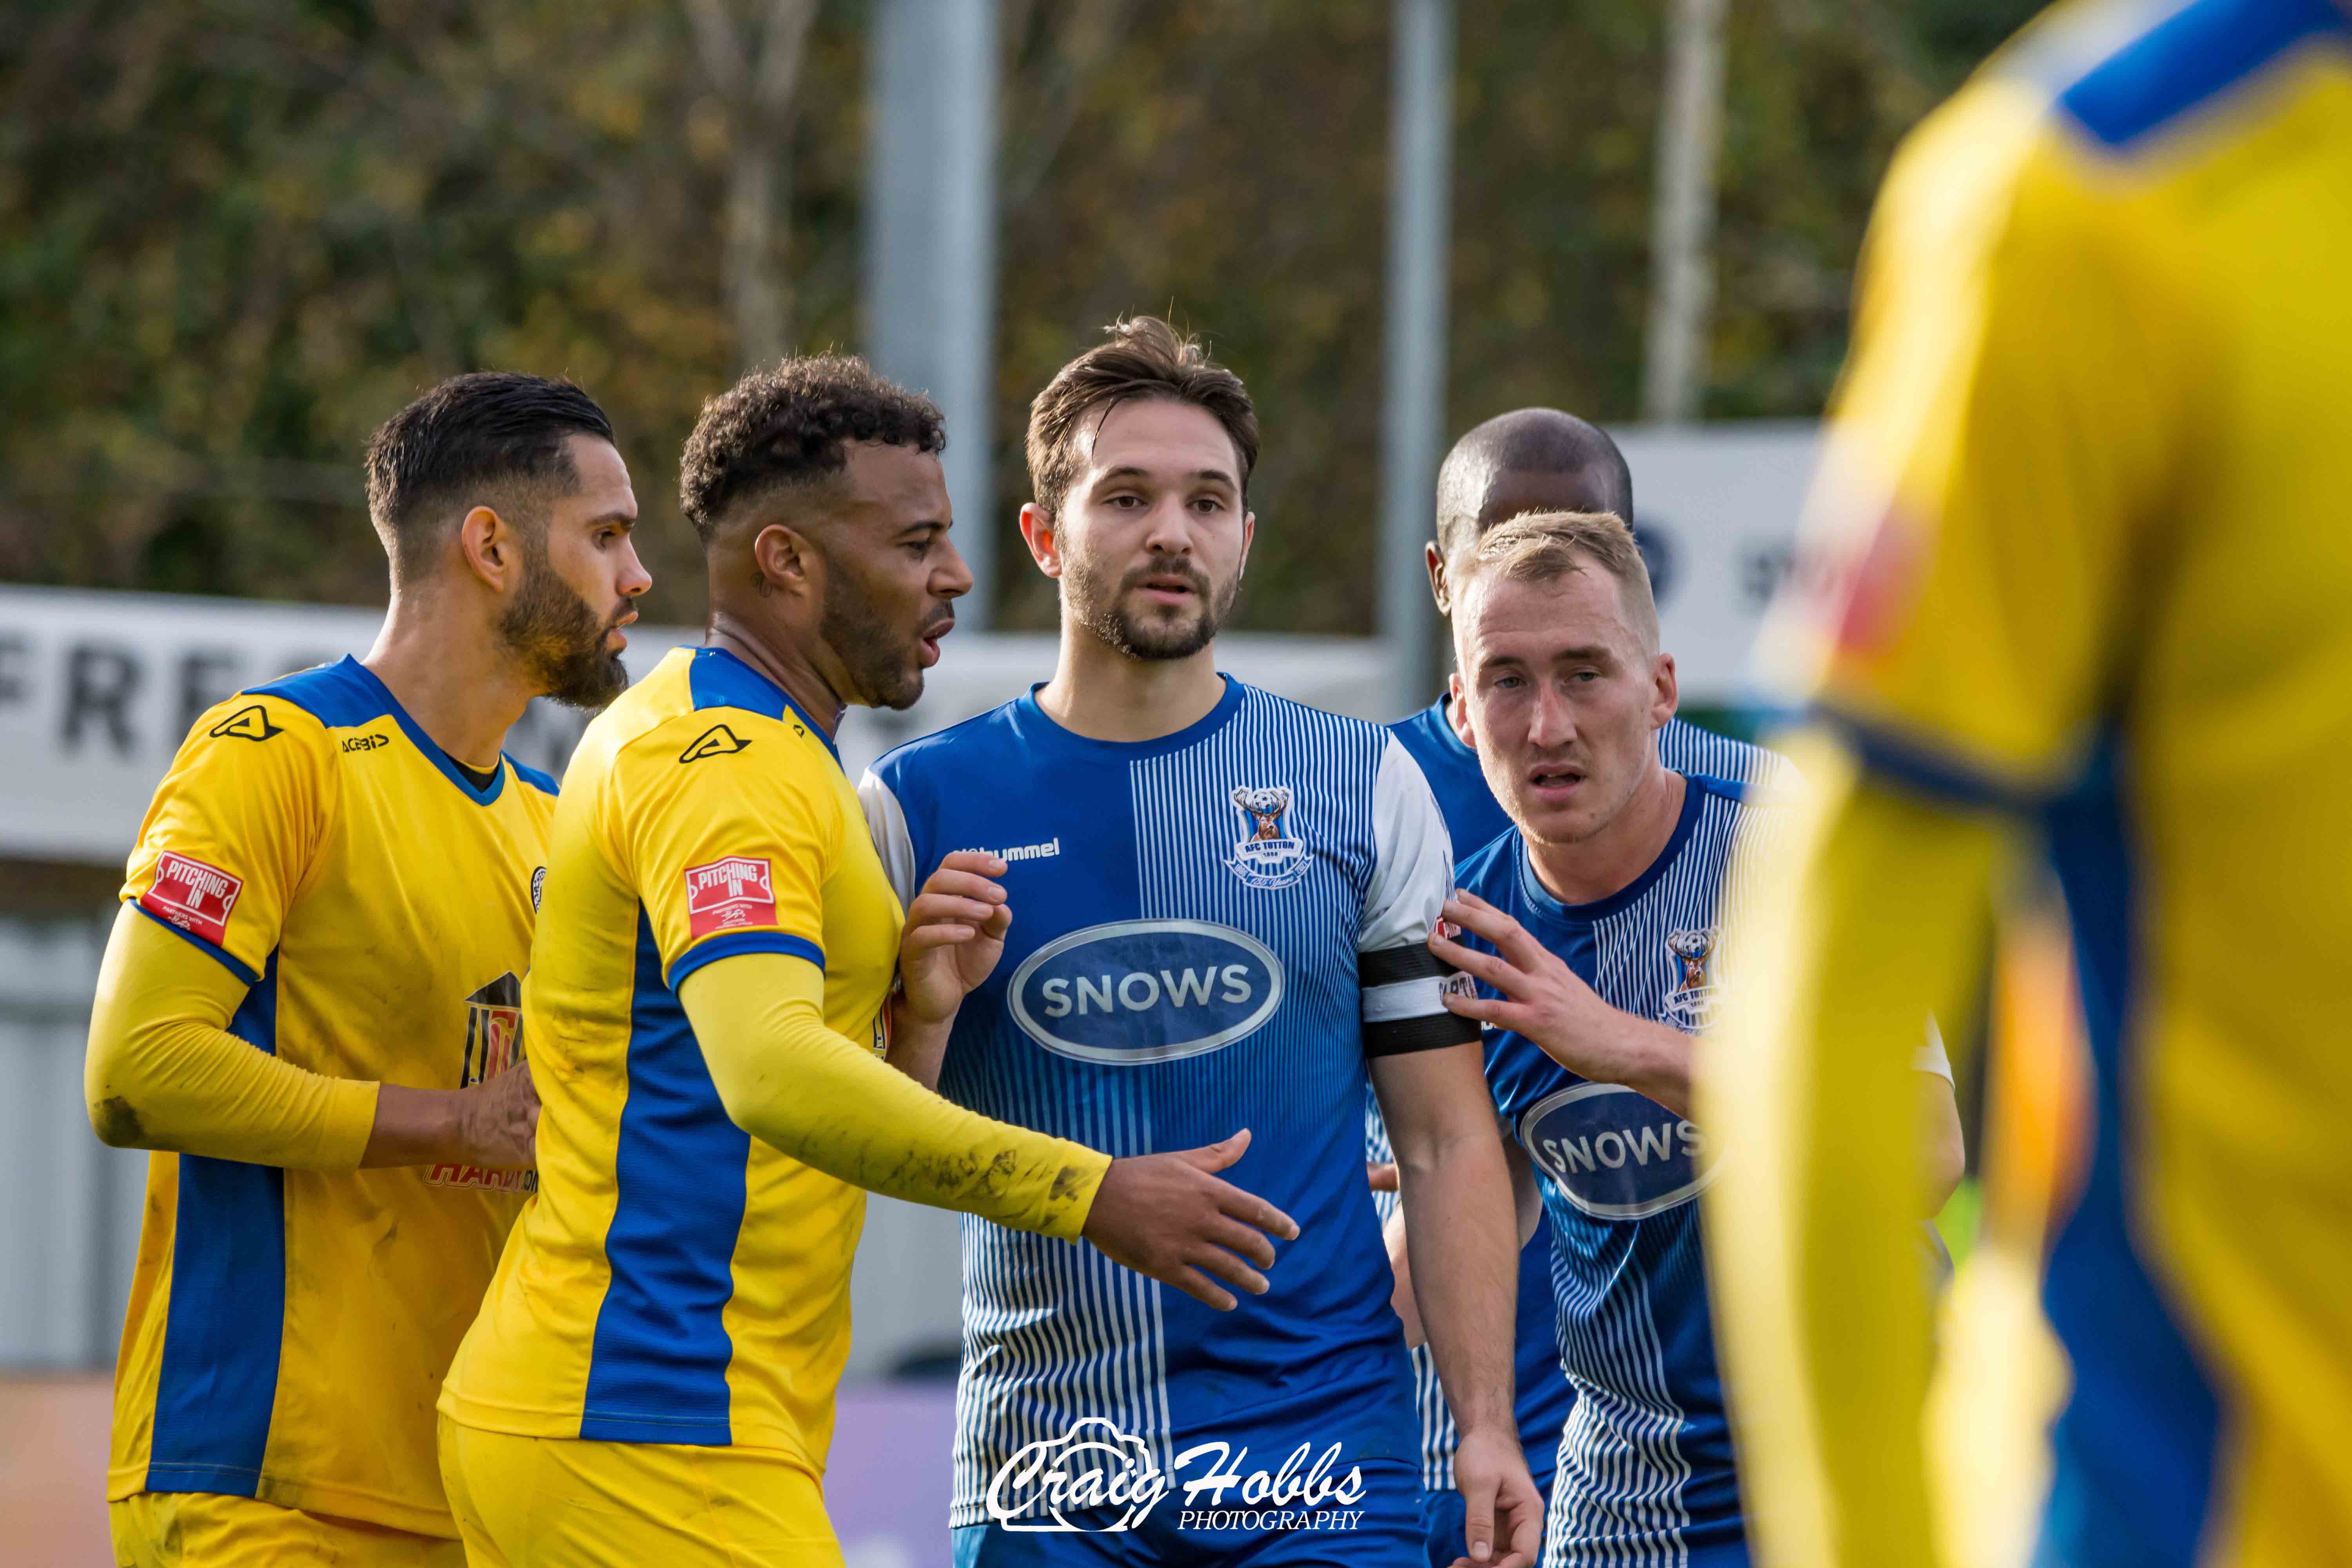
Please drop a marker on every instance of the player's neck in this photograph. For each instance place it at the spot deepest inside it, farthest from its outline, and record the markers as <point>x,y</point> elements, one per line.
<point>1103,694</point>
<point>1608,861</point>
<point>453,674</point>
<point>790,668</point>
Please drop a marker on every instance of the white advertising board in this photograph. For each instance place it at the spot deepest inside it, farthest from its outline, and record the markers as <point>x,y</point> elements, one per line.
<point>97,689</point>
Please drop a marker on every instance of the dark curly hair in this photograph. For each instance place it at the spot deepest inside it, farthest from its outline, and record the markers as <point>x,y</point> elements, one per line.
<point>787,426</point>
<point>1143,357</point>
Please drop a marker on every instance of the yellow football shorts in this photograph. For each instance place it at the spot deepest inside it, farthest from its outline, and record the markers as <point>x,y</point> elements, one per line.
<point>561,1502</point>
<point>207,1530</point>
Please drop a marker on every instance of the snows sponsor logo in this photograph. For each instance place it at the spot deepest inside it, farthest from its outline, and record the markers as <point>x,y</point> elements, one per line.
<point>1097,1479</point>
<point>1145,990</point>
<point>726,894</point>
<point>192,896</point>
<point>1614,1154</point>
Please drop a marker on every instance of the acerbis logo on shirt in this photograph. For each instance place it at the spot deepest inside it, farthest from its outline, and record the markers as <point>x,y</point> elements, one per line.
<point>724,895</point>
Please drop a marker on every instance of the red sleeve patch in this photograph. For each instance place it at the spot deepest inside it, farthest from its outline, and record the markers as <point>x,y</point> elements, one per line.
<point>194,896</point>
<point>726,894</point>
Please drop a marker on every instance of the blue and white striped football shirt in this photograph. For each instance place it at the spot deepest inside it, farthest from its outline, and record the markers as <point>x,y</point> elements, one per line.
<point>1211,931</point>
<point>1473,818</point>
<point>1644,1469</point>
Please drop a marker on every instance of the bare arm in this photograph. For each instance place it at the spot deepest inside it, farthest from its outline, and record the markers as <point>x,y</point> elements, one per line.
<point>163,1071</point>
<point>1526,1198</point>
<point>1455,1193</point>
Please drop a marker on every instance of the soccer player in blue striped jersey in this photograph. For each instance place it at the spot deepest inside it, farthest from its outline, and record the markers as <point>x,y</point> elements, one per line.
<point>1597,930</point>
<point>1219,909</point>
<point>1530,459</point>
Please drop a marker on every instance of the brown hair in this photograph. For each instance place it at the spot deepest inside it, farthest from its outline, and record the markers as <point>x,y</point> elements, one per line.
<point>1145,357</point>
<point>1544,546</point>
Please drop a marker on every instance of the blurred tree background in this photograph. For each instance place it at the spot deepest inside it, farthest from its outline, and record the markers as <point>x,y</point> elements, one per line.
<point>236,234</point>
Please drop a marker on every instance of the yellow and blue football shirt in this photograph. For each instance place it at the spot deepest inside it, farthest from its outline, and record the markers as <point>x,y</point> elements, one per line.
<point>678,1280</point>
<point>288,1330</point>
<point>2090,479</point>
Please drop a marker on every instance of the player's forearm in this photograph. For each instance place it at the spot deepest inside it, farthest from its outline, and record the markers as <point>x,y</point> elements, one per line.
<point>918,1046</point>
<point>1828,1333</point>
<point>1462,1246</point>
<point>1654,1060</point>
<point>163,1072</point>
<point>799,1087</point>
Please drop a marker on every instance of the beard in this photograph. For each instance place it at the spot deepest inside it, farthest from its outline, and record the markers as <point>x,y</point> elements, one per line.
<point>560,639</point>
<point>881,657</point>
<point>1151,636</point>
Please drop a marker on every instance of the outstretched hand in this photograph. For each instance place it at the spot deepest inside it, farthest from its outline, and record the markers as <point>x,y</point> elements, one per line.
<point>1172,1218</point>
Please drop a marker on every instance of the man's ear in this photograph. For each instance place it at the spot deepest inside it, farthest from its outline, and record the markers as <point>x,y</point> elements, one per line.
<point>784,561</point>
<point>1434,560</point>
<point>1667,694</point>
<point>491,548</point>
<point>1457,711</point>
<point>1043,535</point>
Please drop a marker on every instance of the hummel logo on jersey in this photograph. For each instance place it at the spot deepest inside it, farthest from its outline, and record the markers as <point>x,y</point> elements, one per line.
<point>718,740</point>
<point>726,894</point>
<point>246,724</point>
<point>1268,857</point>
<point>1045,851</point>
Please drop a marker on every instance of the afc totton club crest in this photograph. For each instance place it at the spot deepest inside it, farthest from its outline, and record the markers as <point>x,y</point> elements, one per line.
<point>1267,856</point>
<point>1691,1004</point>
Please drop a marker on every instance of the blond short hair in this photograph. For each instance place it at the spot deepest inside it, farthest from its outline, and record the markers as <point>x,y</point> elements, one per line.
<point>1545,546</point>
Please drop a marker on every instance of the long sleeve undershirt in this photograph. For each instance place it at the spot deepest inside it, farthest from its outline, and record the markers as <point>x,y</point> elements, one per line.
<point>809,1091</point>
<point>163,1071</point>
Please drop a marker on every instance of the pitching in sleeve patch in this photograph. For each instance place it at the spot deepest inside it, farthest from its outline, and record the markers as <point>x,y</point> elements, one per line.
<point>728,895</point>
<point>192,896</point>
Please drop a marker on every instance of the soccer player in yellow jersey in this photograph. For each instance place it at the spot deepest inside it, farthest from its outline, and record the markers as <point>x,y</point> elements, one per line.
<point>309,1004</point>
<point>2090,504</point>
<point>651,1380</point>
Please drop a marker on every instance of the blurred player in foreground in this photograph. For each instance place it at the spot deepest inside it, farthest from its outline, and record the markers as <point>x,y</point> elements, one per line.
<point>1595,931</point>
<point>1530,459</point>
<point>1219,905</point>
<point>310,1005</point>
<point>652,1377</point>
<point>2089,500</point>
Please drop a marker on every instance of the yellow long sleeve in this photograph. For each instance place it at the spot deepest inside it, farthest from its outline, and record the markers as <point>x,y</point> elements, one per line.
<point>1871,921</point>
<point>165,1072</point>
<point>809,1091</point>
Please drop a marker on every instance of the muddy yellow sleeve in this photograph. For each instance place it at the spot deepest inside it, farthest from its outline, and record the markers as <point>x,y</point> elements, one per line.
<point>803,1088</point>
<point>166,1070</point>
